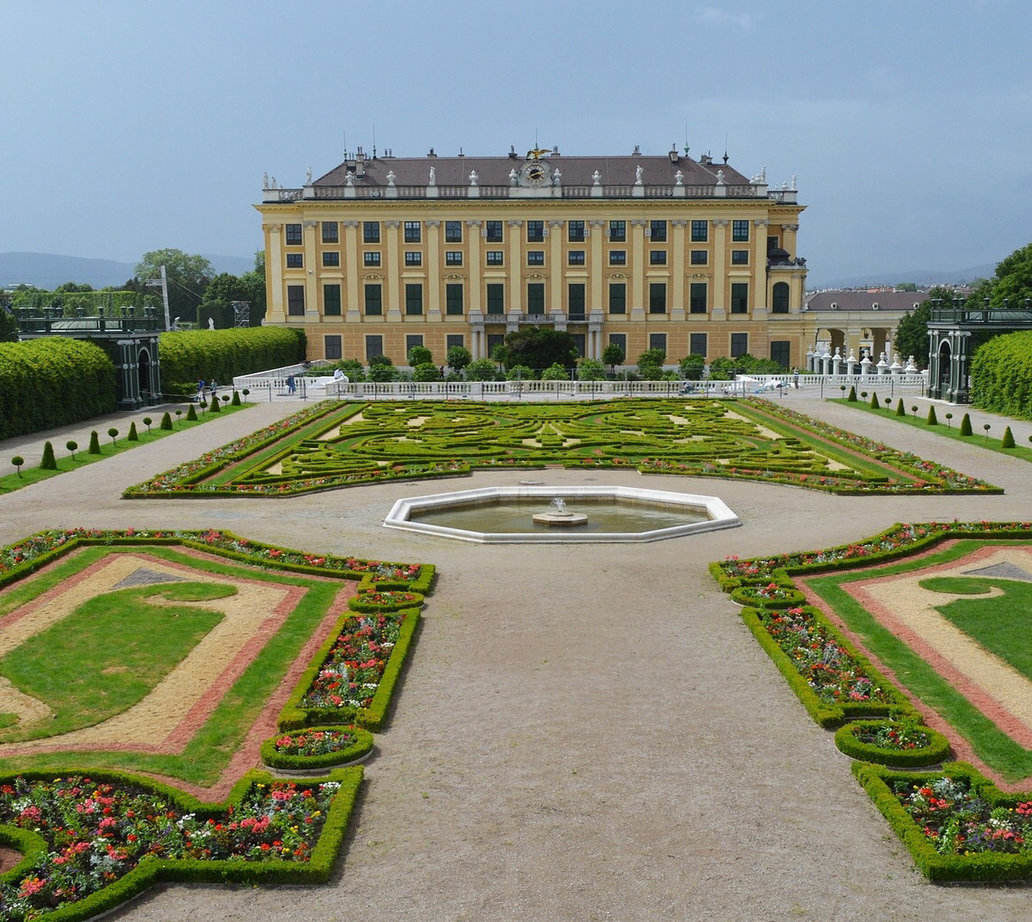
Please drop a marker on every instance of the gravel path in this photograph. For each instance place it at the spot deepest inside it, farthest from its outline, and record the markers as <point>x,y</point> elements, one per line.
<point>584,733</point>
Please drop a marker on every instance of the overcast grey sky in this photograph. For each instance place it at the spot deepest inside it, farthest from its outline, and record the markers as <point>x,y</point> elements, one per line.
<point>131,126</point>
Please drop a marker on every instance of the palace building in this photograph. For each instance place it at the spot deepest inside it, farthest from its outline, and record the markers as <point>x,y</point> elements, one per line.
<point>649,252</point>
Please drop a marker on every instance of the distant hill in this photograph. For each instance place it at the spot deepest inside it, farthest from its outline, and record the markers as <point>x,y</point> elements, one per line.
<point>48,270</point>
<point>920,277</point>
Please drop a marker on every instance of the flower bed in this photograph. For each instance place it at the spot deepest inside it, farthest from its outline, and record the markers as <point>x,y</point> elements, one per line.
<point>902,744</point>
<point>767,595</point>
<point>956,824</point>
<point>103,838</point>
<point>385,600</point>
<point>316,748</point>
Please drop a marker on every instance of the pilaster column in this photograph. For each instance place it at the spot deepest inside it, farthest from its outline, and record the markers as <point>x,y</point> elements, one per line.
<point>788,238</point>
<point>475,264</point>
<point>595,290</point>
<point>352,311</point>
<point>677,302</point>
<point>719,269</point>
<point>759,279</point>
<point>433,271</point>
<point>312,312</point>
<point>275,312</point>
<point>392,277</point>
<point>638,269</point>
<point>555,267</point>
<point>515,299</point>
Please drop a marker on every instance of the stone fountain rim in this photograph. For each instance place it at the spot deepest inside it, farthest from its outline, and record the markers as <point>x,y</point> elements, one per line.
<point>719,514</point>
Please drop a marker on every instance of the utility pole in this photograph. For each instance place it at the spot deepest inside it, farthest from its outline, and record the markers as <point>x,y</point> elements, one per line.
<point>162,283</point>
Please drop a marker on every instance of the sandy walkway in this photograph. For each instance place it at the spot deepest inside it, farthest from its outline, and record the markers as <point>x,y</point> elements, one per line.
<point>585,733</point>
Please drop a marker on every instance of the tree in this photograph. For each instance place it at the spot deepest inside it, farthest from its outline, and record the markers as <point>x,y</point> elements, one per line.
<point>420,355</point>
<point>188,277</point>
<point>692,367</point>
<point>8,326</point>
<point>458,358</point>
<point>650,364</point>
<point>520,373</point>
<point>482,370</point>
<point>912,330</point>
<point>1013,280</point>
<point>555,372</point>
<point>540,347</point>
<point>590,370</point>
<point>613,355</point>
<point>426,371</point>
<point>381,369</point>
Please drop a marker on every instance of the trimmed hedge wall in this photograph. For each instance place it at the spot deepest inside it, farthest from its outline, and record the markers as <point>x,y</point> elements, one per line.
<point>1001,375</point>
<point>53,382</point>
<point>190,355</point>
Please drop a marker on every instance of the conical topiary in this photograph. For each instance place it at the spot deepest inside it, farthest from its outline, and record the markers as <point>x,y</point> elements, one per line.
<point>49,462</point>
<point>166,421</point>
<point>852,395</point>
<point>874,401</point>
<point>1006,442</point>
<point>965,425</point>
<point>933,420</point>
<point>216,404</point>
<point>94,448</point>
<point>235,402</point>
<point>900,409</point>
<point>191,413</point>
<point>133,436</point>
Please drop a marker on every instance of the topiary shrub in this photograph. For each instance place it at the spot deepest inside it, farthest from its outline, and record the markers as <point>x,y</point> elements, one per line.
<point>900,409</point>
<point>933,420</point>
<point>965,425</point>
<point>191,414</point>
<point>216,404</point>
<point>49,462</point>
<point>235,402</point>
<point>852,395</point>
<point>1006,442</point>
<point>18,461</point>
<point>166,421</point>
<point>874,401</point>
<point>133,436</point>
<point>94,448</point>
<point>72,446</point>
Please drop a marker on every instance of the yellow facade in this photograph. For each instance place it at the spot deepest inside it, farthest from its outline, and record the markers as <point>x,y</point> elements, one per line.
<point>364,263</point>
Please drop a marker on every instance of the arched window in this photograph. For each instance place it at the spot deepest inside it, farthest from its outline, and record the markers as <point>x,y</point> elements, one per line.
<point>779,298</point>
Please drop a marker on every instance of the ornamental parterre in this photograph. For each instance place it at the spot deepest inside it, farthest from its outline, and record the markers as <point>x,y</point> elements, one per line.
<point>97,832</point>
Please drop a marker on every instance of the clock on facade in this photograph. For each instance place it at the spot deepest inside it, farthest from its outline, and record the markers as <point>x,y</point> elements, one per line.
<point>534,173</point>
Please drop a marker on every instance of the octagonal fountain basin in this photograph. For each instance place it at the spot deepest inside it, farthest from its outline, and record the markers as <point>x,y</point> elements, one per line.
<point>561,515</point>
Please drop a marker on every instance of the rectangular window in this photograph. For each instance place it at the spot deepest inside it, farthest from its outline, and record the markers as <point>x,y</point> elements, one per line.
<point>780,350</point>
<point>620,340</point>
<point>657,231</point>
<point>331,347</point>
<point>579,343</point>
<point>700,231</point>
<point>373,300</point>
<point>453,298</point>
<point>453,257</point>
<point>453,232</point>
<point>739,230</point>
<point>453,340</point>
<point>575,231</point>
<point>494,340</point>
<point>697,344</point>
<point>370,258</point>
<point>495,257</point>
<point>295,260</point>
<point>373,347</point>
<point>331,259</point>
<point>412,341</point>
<point>413,299</point>
<point>293,235</point>
<point>739,344</point>
<point>413,258</point>
<point>536,298</point>
<point>330,233</point>
<point>296,300</point>
<point>697,298</point>
<point>535,257</point>
<point>535,231</point>
<point>617,298</point>
<point>699,257</point>
<point>739,257</point>
<point>493,231</point>
<point>739,297</point>
<point>370,231</point>
<point>576,299</point>
<point>331,300</point>
<point>618,231</point>
<point>772,242</point>
<point>576,257</point>
<point>618,257</point>
<point>658,341</point>
<point>413,231</point>
<point>657,297</point>
<point>657,257</point>
<point>495,298</point>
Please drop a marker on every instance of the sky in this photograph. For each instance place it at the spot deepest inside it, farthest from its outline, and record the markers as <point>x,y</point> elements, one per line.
<point>132,126</point>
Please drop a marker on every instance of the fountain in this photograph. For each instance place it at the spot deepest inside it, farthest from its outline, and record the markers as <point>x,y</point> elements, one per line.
<point>512,515</point>
<point>559,515</point>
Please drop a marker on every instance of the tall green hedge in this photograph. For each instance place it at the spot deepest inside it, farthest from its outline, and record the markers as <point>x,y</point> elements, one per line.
<point>53,382</point>
<point>1001,375</point>
<point>190,355</point>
